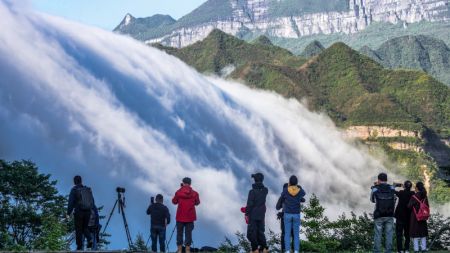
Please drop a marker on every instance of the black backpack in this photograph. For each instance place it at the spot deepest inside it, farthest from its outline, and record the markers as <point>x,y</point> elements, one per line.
<point>85,200</point>
<point>385,201</point>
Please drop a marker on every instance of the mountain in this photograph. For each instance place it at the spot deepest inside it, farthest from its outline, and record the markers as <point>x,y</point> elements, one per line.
<point>220,50</point>
<point>415,52</point>
<point>288,18</point>
<point>263,40</point>
<point>351,88</point>
<point>143,27</point>
<point>313,49</point>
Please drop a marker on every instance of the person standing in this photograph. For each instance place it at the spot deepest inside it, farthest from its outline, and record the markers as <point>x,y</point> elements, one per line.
<point>186,199</point>
<point>292,197</point>
<point>280,216</point>
<point>383,195</point>
<point>256,212</point>
<point>160,218</point>
<point>81,203</point>
<point>403,217</point>
<point>418,225</point>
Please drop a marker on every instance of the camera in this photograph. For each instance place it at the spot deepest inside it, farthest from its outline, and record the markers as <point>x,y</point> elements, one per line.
<point>120,190</point>
<point>152,200</point>
<point>397,185</point>
<point>280,215</point>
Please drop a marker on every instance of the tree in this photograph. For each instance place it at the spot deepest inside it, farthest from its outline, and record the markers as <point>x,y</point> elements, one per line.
<point>317,228</point>
<point>439,229</point>
<point>354,233</point>
<point>139,243</point>
<point>32,211</point>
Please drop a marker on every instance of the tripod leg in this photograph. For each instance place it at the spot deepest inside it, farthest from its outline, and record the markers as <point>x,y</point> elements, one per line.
<point>127,230</point>
<point>110,215</point>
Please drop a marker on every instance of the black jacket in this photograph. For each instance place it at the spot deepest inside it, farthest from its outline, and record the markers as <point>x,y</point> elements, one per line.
<point>159,214</point>
<point>402,212</point>
<point>256,202</point>
<point>72,206</point>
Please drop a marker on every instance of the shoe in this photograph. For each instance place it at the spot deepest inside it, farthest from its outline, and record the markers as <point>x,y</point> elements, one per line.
<point>180,249</point>
<point>90,244</point>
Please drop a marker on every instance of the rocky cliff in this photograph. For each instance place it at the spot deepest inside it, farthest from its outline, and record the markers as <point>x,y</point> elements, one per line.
<point>368,132</point>
<point>240,17</point>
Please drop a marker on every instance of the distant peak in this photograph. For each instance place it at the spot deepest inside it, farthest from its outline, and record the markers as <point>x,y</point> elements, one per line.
<point>263,40</point>
<point>127,19</point>
<point>312,49</point>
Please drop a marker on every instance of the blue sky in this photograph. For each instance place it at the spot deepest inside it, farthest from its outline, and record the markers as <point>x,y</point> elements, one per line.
<point>107,14</point>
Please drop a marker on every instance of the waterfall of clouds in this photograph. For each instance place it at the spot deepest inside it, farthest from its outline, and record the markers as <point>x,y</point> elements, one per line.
<point>81,99</point>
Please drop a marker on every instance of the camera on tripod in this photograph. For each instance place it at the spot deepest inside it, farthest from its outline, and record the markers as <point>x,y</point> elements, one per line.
<point>120,204</point>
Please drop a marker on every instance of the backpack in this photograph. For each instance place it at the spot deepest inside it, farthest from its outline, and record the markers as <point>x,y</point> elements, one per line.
<point>424,210</point>
<point>385,202</point>
<point>85,200</point>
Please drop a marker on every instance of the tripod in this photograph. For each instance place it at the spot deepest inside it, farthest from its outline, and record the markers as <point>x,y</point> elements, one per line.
<point>121,209</point>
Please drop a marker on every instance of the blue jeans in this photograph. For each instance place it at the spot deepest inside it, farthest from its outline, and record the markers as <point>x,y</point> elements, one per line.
<point>386,224</point>
<point>292,221</point>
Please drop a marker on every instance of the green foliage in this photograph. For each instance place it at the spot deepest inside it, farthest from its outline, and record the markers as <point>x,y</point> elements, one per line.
<point>312,49</point>
<point>373,36</point>
<point>439,228</point>
<point>32,211</point>
<point>317,228</point>
<point>139,243</point>
<point>354,233</point>
<point>350,87</point>
<point>53,236</point>
<point>220,50</point>
<point>416,52</point>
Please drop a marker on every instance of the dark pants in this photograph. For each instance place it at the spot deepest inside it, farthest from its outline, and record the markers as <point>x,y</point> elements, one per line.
<point>158,234</point>
<point>402,230</point>
<point>255,234</point>
<point>184,228</point>
<point>81,228</point>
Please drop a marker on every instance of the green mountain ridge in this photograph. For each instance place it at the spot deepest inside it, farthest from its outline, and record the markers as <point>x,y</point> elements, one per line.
<point>312,49</point>
<point>373,36</point>
<point>351,88</point>
<point>414,52</point>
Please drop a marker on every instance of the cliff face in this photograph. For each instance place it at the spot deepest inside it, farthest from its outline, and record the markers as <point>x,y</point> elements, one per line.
<point>366,132</point>
<point>258,16</point>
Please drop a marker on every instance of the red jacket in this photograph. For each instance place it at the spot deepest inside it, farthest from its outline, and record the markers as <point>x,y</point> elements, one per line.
<point>187,199</point>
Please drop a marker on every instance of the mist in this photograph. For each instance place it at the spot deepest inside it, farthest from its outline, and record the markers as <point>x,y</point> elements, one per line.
<point>81,100</point>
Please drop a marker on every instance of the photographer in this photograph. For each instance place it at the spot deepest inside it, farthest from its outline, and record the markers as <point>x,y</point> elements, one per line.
<point>280,217</point>
<point>420,213</point>
<point>292,197</point>
<point>256,212</point>
<point>383,195</point>
<point>186,199</point>
<point>81,203</point>
<point>160,218</point>
<point>403,216</point>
